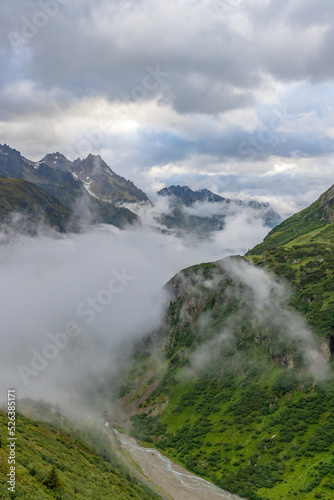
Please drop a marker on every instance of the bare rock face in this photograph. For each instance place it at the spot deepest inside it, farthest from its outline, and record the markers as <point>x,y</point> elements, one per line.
<point>326,350</point>
<point>55,175</point>
<point>327,203</point>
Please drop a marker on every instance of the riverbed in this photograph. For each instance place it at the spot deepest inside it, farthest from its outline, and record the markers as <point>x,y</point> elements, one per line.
<point>170,479</point>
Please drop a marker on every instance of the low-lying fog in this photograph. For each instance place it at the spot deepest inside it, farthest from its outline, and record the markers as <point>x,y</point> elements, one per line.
<point>68,301</point>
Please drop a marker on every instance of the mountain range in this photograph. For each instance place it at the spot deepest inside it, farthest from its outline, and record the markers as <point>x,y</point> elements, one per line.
<point>187,210</point>
<point>55,177</point>
<point>89,192</point>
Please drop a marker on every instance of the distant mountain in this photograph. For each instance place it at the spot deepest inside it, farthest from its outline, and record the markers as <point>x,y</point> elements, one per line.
<point>105,197</point>
<point>188,197</point>
<point>98,179</point>
<point>57,182</point>
<point>185,210</point>
<point>54,175</point>
<point>58,161</point>
<point>25,198</point>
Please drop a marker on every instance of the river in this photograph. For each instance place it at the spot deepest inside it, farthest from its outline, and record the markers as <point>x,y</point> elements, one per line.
<point>165,477</point>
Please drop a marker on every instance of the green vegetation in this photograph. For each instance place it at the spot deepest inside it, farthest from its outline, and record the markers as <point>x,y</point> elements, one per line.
<point>264,435</point>
<point>47,189</point>
<point>308,267</point>
<point>17,195</point>
<point>235,402</point>
<point>239,417</point>
<point>58,461</point>
<point>314,217</point>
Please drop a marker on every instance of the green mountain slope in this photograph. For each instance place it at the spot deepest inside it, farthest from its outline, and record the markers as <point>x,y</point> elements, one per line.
<point>307,263</point>
<point>23,197</point>
<point>82,464</point>
<point>235,387</point>
<point>312,218</point>
<point>301,250</point>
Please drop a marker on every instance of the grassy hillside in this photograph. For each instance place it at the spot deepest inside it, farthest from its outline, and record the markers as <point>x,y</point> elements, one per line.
<point>301,250</point>
<point>247,416</point>
<point>227,387</point>
<point>314,217</point>
<point>17,195</point>
<point>81,462</point>
<point>307,263</point>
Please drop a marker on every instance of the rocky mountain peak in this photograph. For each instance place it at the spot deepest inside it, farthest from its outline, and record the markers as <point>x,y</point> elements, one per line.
<point>57,160</point>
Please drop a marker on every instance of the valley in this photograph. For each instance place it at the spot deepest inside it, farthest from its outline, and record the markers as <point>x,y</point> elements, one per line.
<point>166,250</point>
<point>235,386</point>
<point>226,388</point>
<point>174,481</point>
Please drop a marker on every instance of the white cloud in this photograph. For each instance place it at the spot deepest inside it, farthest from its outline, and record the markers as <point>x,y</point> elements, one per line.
<point>44,280</point>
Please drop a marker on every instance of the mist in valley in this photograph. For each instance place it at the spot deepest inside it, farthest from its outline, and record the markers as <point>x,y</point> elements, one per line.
<point>71,304</point>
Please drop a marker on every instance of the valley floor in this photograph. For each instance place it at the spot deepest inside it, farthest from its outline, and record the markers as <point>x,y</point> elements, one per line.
<point>168,479</point>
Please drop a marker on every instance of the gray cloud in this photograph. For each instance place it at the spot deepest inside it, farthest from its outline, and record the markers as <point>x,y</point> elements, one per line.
<point>221,71</point>
<point>104,47</point>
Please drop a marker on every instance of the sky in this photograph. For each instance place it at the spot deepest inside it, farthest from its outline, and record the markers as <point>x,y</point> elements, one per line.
<point>232,95</point>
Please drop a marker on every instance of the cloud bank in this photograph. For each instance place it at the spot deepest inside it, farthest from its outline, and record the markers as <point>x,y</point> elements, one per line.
<point>69,302</point>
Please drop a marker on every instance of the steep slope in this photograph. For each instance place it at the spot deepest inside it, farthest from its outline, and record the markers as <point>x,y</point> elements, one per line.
<point>103,183</point>
<point>235,386</point>
<point>53,176</point>
<point>58,183</point>
<point>19,196</point>
<point>312,218</point>
<point>107,213</point>
<point>301,249</point>
<point>83,464</point>
<point>12,164</point>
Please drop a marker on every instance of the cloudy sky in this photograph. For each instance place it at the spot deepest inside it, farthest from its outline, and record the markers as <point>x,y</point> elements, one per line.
<point>232,95</point>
